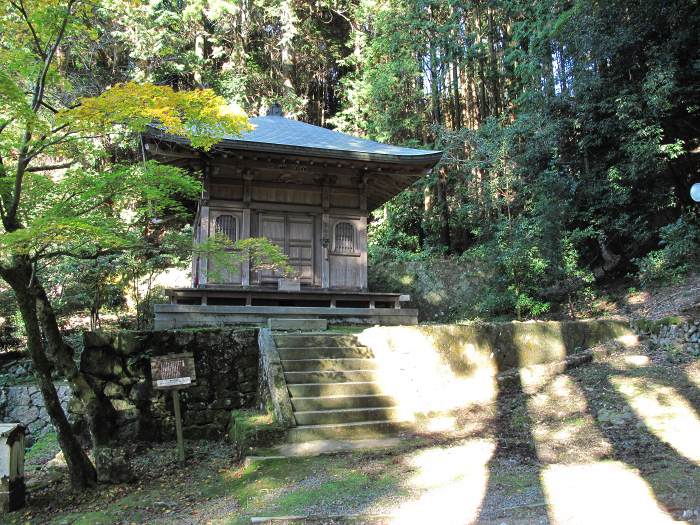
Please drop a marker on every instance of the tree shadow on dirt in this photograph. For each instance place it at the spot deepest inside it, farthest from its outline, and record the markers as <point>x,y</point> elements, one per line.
<point>514,454</point>
<point>632,441</point>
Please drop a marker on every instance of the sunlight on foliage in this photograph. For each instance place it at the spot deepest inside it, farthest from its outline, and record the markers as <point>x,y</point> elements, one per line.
<point>200,115</point>
<point>259,252</point>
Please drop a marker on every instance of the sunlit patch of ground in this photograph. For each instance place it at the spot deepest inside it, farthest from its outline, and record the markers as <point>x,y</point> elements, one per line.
<point>665,412</point>
<point>605,492</point>
<point>447,485</point>
<point>563,429</point>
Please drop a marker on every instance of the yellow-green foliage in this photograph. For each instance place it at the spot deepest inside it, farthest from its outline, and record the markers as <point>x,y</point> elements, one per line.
<point>200,114</point>
<point>259,252</point>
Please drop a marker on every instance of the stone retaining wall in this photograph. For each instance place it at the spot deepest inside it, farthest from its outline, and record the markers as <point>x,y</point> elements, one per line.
<point>17,371</point>
<point>433,369</point>
<point>226,363</point>
<point>24,404</point>
<point>429,368</point>
<point>674,333</point>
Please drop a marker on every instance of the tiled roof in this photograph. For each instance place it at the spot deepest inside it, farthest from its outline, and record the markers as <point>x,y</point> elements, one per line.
<point>281,131</point>
<point>275,133</point>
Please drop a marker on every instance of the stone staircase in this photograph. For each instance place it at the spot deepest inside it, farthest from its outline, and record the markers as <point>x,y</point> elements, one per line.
<point>333,388</point>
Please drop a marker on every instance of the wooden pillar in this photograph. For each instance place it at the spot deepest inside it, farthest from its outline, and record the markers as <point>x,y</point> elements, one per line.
<point>362,238</point>
<point>203,235</point>
<point>195,242</point>
<point>204,226</point>
<point>325,236</point>
<point>362,233</point>
<point>245,226</point>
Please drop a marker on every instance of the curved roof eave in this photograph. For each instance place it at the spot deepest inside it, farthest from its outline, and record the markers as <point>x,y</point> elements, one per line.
<point>412,157</point>
<point>430,156</point>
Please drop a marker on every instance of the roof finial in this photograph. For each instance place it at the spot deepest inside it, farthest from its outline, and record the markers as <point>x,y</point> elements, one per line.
<point>275,110</point>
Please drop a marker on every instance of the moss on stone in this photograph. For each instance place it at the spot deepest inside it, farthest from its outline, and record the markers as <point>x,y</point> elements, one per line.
<point>517,344</point>
<point>252,428</point>
<point>650,326</point>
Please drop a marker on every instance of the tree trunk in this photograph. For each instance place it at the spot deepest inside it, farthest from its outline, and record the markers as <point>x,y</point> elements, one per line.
<point>19,276</point>
<point>100,413</point>
<point>441,187</point>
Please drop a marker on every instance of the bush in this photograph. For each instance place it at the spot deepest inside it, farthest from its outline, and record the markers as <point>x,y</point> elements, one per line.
<point>442,288</point>
<point>679,254</point>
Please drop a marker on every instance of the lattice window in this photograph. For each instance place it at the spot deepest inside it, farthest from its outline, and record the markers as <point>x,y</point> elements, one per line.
<point>226,225</point>
<point>344,241</point>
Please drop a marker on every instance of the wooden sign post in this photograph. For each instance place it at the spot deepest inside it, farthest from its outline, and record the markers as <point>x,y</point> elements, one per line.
<point>174,372</point>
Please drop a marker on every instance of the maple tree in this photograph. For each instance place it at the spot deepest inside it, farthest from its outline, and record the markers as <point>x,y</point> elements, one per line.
<point>61,197</point>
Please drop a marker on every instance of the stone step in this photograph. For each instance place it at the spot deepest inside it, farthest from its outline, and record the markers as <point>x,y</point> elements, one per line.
<point>314,339</point>
<point>339,402</point>
<point>322,352</point>
<point>297,324</point>
<point>343,363</point>
<point>362,430</point>
<point>356,388</point>
<point>329,376</point>
<point>345,415</point>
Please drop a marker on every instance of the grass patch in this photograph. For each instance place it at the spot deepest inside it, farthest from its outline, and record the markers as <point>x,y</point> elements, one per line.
<point>654,326</point>
<point>520,418</point>
<point>250,428</point>
<point>575,420</point>
<point>301,485</point>
<point>43,449</point>
<point>514,480</point>
<point>350,484</point>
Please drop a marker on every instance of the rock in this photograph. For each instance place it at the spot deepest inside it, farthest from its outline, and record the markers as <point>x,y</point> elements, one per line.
<point>140,392</point>
<point>37,427</point>
<point>122,405</point>
<point>101,362</point>
<point>113,390</point>
<point>113,465</point>
<point>606,415</point>
<point>23,413</point>
<point>58,462</point>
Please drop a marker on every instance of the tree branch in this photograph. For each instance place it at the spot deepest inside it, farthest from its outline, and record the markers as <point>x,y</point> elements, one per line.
<point>10,219</point>
<point>6,123</point>
<point>39,91</point>
<point>51,167</point>
<point>49,107</point>
<point>20,7</point>
<point>86,256</point>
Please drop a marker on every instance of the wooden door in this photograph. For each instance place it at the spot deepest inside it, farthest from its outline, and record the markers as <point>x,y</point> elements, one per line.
<point>221,270</point>
<point>347,256</point>
<point>295,235</point>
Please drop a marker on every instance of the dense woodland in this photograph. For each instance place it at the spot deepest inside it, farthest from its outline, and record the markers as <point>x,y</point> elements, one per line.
<point>570,131</point>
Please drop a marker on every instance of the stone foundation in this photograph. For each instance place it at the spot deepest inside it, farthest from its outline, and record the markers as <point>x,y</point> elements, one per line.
<point>226,364</point>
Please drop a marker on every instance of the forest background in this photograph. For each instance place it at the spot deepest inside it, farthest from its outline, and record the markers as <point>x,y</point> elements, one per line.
<point>570,131</point>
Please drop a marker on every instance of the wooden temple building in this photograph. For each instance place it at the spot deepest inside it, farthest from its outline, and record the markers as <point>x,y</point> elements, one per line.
<point>309,190</point>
